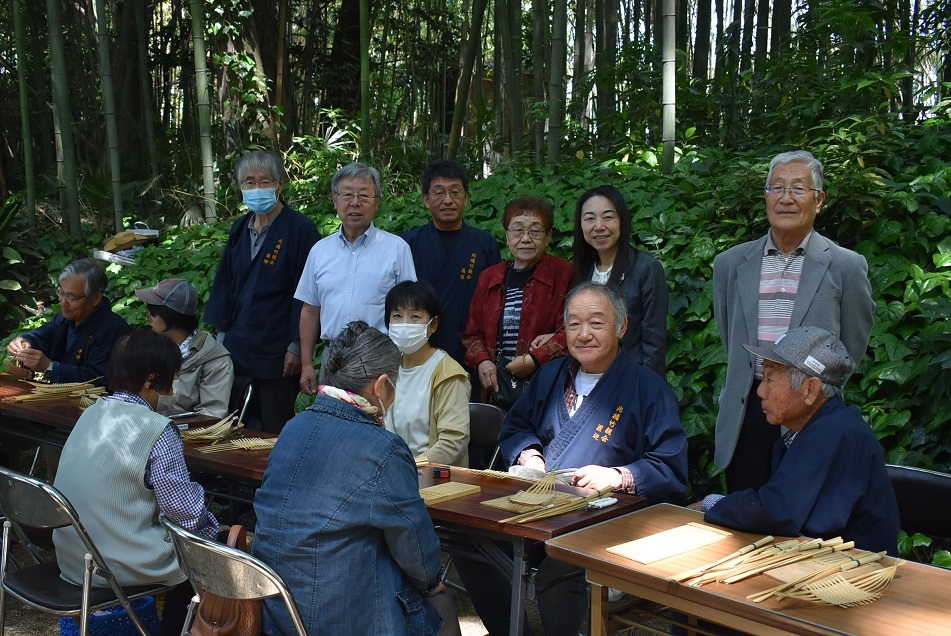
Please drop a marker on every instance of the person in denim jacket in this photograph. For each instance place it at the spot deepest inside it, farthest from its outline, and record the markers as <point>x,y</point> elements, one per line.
<point>339,514</point>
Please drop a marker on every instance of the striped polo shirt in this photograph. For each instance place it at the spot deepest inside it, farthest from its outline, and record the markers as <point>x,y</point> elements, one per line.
<point>778,284</point>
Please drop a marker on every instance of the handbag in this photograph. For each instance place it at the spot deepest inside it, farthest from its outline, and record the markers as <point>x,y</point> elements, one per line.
<point>219,616</point>
<point>511,386</point>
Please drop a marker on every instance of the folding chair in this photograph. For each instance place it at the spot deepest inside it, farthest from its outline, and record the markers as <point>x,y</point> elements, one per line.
<point>226,572</point>
<point>33,503</point>
<point>922,500</point>
<point>485,423</point>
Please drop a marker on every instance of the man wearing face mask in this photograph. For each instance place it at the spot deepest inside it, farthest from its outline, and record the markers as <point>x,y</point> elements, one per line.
<point>431,410</point>
<point>252,298</point>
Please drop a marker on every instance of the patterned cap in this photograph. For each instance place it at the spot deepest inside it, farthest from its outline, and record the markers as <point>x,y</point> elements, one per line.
<point>814,351</point>
<point>175,293</point>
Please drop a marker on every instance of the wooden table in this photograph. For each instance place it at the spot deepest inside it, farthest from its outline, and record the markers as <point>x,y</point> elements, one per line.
<point>914,604</point>
<point>51,422</point>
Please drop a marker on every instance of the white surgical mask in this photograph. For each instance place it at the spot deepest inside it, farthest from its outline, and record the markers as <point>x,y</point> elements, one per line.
<point>408,337</point>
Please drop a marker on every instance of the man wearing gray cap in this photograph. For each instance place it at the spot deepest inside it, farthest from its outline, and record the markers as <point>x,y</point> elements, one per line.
<point>828,474</point>
<point>204,383</point>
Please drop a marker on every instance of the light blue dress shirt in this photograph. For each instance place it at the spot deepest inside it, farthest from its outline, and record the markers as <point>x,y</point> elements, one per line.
<point>349,281</point>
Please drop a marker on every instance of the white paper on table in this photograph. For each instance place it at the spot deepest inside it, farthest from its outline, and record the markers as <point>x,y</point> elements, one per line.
<point>669,542</point>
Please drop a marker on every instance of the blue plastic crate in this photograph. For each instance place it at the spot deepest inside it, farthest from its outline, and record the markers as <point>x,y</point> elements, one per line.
<point>114,621</point>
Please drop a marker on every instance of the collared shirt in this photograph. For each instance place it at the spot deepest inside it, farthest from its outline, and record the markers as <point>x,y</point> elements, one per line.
<point>778,285</point>
<point>349,281</point>
<point>181,499</point>
<point>186,345</point>
<point>257,238</point>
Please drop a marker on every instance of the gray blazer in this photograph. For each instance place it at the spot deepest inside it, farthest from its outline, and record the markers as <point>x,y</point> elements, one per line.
<point>834,293</point>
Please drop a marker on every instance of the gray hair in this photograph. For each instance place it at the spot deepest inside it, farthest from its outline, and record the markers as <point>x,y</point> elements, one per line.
<point>96,280</point>
<point>260,159</point>
<point>797,377</point>
<point>611,292</point>
<point>813,165</point>
<point>357,170</point>
<point>358,356</point>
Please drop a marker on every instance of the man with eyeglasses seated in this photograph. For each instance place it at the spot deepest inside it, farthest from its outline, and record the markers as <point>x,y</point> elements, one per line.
<point>449,253</point>
<point>75,345</point>
<point>611,420</point>
<point>349,273</point>
<point>791,277</point>
<point>252,298</point>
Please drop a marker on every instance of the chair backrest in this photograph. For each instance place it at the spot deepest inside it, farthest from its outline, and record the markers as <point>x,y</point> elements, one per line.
<point>33,503</point>
<point>923,497</point>
<point>225,571</point>
<point>485,424</point>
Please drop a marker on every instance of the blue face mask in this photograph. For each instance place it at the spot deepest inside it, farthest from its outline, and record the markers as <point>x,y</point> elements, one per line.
<point>260,200</point>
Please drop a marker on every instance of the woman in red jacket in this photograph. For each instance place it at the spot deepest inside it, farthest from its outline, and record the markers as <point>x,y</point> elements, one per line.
<point>516,301</point>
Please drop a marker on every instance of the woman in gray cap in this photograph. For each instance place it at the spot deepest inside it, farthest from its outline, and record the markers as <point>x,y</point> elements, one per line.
<point>204,383</point>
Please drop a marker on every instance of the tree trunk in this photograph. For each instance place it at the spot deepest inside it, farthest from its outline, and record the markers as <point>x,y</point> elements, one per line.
<point>62,114</point>
<point>145,88</point>
<point>762,36</point>
<point>461,106</point>
<point>364,79</point>
<point>109,111</point>
<point>749,15</point>
<point>344,64</point>
<point>557,95</point>
<point>29,176</point>
<point>511,50</point>
<point>583,61</point>
<point>539,27</point>
<point>605,66</point>
<point>701,48</point>
<point>204,109</point>
<point>781,26</point>
<point>669,26</point>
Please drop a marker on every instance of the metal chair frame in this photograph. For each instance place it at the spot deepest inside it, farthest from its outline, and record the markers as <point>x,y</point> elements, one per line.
<point>33,503</point>
<point>226,572</point>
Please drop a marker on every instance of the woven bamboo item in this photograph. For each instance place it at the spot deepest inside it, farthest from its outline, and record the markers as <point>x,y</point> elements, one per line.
<point>215,432</point>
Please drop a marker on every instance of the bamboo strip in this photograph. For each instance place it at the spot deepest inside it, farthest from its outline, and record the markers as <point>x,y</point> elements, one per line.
<point>780,590</point>
<point>552,510</point>
<point>689,574</point>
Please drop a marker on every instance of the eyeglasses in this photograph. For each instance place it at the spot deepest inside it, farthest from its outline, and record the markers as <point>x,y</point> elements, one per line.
<point>534,233</point>
<point>348,197</point>
<point>68,297</point>
<point>250,184</point>
<point>798,192</point>
<point>453,194</point>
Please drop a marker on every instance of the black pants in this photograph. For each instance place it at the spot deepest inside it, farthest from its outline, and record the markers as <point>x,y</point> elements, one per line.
<point>752,459</point>
<point>272,402</point>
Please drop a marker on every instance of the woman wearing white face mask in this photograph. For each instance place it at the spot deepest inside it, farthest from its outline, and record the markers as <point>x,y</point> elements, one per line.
<point>431,411</point>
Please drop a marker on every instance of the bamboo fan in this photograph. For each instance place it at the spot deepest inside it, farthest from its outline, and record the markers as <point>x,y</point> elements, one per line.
<point>64,391</point>
<point>495,474</point>
<point>552,510</point>
<point>217,431</point>
<point>783,590</point>
<point>859,587</point>
<point>249,444</point>
<point>539,494</point>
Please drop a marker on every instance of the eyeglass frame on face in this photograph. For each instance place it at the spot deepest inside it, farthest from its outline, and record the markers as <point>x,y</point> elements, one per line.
<point>441,194</point>
<point>780,190</point>
<point>348,197</point>
<point>534,232</point>
<point>69,297</point>
<point>252,184</point>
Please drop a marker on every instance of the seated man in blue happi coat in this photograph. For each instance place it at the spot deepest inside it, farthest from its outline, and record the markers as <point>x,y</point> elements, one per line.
<point>828,471</point>
<point>612,420</point>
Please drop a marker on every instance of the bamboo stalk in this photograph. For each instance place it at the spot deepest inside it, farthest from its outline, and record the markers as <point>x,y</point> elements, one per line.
<point>689,574</point>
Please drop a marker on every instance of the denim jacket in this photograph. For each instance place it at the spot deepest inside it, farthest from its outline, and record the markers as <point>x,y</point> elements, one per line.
<point>340,518</point>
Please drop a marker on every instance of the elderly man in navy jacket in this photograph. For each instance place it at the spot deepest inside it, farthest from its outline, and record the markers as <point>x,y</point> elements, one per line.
<point>828,476</point>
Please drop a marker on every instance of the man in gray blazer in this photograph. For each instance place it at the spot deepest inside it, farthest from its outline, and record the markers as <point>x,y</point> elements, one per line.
<point>791,277</point>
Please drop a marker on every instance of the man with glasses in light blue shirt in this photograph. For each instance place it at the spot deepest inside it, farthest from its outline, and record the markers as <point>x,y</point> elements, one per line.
<point>349,273</point>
